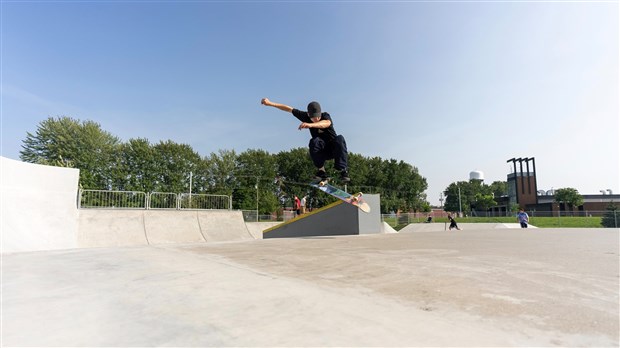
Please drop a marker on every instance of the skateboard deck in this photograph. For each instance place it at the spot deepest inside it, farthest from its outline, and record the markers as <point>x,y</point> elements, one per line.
<point>355,199</point>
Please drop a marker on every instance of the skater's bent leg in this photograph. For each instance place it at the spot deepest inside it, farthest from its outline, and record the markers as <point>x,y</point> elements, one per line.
<point>317,152</point>
<point>340,153</point>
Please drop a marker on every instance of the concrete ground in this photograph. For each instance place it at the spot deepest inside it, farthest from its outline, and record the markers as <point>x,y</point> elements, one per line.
<point>501,287</point>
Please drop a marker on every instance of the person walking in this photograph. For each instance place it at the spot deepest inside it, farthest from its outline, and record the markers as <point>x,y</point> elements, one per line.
<point>325,144</point>
<point>523,218</point>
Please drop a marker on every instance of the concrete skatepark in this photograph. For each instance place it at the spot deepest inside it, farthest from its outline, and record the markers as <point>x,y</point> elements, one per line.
<point>213,281</point>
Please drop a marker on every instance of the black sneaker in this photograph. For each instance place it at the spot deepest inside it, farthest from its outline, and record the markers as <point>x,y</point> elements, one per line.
<point>321,174</point>
<point>344,176</point>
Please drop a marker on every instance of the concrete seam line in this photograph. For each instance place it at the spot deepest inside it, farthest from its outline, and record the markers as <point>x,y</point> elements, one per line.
<point>200,228</point>
<point>146,236</point>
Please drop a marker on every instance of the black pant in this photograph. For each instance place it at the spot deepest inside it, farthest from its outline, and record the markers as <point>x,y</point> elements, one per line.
<point>321,151</point>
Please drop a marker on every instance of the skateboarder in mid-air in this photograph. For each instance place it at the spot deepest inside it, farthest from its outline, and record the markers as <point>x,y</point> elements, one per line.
<point>325,143</point>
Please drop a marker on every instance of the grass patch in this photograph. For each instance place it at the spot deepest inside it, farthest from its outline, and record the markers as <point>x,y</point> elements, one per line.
<point>541,222</point>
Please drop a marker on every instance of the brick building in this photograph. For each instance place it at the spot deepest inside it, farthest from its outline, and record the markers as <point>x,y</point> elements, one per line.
<point>523,191</point>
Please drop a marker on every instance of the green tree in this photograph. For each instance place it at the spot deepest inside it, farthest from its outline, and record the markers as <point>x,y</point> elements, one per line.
<point>256,173</point>
<point>296,165</point>
<point>174,163</point>
<point>80,144</point>
<point>399,183</point>
<point>137,167</point>
<point>499,188</point>
<point>568,196</point>
<point>220,172</point>
<point>484,202</point>
<point>612,216</point>
<point>295,170</point>
<point>474,195</point>
<point>456,197</point>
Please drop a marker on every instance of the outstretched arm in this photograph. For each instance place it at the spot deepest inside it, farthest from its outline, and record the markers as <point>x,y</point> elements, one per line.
<point>282,107</point>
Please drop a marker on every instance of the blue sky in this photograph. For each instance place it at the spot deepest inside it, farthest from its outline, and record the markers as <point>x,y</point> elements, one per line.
<point>448,87</point>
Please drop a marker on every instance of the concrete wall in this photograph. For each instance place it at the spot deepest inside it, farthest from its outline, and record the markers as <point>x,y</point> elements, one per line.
<point>38,208</point>
<point>38,211</point>
<point>370,223</point>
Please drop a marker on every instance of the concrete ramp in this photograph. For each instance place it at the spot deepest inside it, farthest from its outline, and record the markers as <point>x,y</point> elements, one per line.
<point>386,228</point>
<point>223,226</point>
<point>256,228</point>
<point>338,218</point>
<point>110,228</point>
<point>165,227</point>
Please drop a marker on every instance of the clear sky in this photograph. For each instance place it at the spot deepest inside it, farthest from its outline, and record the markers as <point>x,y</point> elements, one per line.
<point>447,86</point>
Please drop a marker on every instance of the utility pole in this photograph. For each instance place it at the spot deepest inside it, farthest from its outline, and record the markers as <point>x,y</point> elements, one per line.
<point>190,189</point>
<point>460,209</point>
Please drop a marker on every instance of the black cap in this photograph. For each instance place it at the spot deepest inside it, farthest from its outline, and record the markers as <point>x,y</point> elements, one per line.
<point>314,109</point>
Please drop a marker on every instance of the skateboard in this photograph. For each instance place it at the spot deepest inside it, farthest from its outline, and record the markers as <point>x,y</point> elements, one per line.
<point>355,199</point>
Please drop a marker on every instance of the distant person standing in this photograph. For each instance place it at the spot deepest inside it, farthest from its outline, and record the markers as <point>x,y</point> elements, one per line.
<point>297,205</point>
<point>523,218</point>
<point>452,223</point>
<point>303,204</point>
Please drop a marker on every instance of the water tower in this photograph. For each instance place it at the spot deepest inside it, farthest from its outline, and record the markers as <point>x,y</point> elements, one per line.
<point>476,175</point>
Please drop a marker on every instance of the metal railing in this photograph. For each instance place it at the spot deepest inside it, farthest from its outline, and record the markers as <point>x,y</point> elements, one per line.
<point>113,199</point>
<point>204,201</point>
<point>163,200</point>
<point>250,216</point>
<point>102,199</point>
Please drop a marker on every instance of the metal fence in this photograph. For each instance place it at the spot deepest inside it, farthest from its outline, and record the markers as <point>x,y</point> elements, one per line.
<point>154,200</point>
<point>203,201</point>
<point>251,216</point>
<point>163,200</point>
<point>113,199</point>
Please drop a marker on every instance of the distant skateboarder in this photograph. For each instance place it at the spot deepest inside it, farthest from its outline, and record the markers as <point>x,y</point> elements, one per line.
<point>452,223</point>
<point>325,144</point>
<point>523,218</point>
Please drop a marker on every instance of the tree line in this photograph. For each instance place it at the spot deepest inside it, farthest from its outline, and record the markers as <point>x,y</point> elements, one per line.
<point>251,177</point>
<point>474,195</point>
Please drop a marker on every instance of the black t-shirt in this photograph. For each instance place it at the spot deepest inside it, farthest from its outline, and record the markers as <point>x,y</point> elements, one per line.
<point>327,134</point>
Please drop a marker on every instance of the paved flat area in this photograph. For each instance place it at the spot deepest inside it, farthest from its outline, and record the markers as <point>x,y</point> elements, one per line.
<point>508,287</point>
